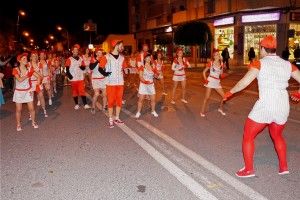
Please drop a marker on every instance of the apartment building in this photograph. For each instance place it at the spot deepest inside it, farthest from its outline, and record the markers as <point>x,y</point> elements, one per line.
<point>235,24</point>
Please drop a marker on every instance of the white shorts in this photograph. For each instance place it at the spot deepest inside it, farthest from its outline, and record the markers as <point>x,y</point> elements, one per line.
<point>179,78</point>
<point>213,83</point>
<point>23,96</point>
<point>99,83</point>
<point>146,89</point>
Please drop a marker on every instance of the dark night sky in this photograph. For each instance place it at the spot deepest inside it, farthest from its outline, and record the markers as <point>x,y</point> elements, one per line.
<point>42,17</point>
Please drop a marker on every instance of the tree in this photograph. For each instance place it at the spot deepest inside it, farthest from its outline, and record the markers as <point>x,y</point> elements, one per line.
<point>194,34</point>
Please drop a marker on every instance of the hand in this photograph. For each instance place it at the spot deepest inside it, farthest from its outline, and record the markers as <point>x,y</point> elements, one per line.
<point>205,81</point>
<point>223,75</point>
<point>295,96</point>
<point>227,95</point>
<point>70,77</point>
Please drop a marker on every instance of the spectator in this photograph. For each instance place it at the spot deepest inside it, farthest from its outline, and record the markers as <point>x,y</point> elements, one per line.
<point>251,54</point>
<point>225,56</point>
<point>285,53</point>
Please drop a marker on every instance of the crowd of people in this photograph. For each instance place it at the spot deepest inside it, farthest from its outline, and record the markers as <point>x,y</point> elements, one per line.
<point>104,75</point>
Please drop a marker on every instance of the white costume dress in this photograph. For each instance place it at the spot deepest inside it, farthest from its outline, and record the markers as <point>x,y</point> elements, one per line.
<point>23,93</point>
<point>214,76</point>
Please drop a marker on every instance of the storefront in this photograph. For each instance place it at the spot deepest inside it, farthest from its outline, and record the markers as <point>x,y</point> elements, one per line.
<point>294,33</point>
<point>224,34</point>
<point>253,33</point>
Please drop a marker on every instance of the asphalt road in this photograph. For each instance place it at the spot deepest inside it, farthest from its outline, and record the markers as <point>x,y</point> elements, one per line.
<point>177,156</point>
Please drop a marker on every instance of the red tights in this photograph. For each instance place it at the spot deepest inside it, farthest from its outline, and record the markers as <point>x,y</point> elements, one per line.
<point>251,130</point>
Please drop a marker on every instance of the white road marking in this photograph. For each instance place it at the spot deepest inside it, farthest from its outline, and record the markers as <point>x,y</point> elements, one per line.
<point>181,176</point>
<point>241,187</point>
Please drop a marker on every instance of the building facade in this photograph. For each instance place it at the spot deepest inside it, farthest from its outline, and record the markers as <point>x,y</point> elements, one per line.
<point>235,24</point>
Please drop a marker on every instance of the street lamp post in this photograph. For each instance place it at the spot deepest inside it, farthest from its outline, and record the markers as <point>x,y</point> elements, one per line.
<point>67,32</point>
<point>20,13</point>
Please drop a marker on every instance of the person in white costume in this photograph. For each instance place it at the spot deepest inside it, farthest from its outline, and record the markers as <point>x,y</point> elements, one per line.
<point>272,108</point>
<point>147,73</point>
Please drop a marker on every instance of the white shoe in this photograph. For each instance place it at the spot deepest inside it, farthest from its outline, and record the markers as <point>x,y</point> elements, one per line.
<point>55,91</point>
<point>172,102</point>
<point>222,112</point>
<point>165,94</point>
<point>38,103</point>
<point>45,113</point>
<point>184,101</point>
<point>123,102</point>
<point>50,102</point>
<point>137,115</point>
<point>86,106</point>
<point>76,107</point>
<point>154,114</point>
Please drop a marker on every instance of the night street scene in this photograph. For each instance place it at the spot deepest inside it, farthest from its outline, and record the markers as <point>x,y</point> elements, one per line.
<point>150,100</point>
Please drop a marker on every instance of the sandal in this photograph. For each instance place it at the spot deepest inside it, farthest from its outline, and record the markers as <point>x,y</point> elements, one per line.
<point>19,128</point>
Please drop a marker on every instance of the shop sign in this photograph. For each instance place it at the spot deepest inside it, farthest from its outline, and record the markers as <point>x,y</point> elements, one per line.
<point>295,16</point>
<point>224,21</point>
<point>261,17</point>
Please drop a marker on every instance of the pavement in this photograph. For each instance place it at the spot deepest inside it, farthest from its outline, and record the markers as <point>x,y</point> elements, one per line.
<point>179,155</point>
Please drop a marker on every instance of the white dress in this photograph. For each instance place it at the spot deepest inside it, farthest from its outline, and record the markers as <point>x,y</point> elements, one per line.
<point>179,73</point>
<point>22,93</point>
<point>147,89</point>
<point>98,80</point>
<point>214,76</point>
<point>273,103</point>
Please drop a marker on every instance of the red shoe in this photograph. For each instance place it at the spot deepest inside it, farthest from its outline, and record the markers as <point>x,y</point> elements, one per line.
<point>283,171</point>
<point>243,173</point>
<point>118,121</point>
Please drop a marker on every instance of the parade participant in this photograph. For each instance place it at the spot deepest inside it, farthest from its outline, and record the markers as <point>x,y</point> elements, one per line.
<point>55,71</point>
<point>272,107</point>
<point>147,73</point>
<point>142,54</point>
<point>43,65</point>
<point>114,63</point>
<point>1,86</point>
<point>86,57</point>
<point>296,95</point>
<point>23,93</point>
<point>75,72</point>
<point>178,66</point>
<point>159,64</point>
<point>213,81</point>
<point>133,69</point>
<point>98,80</point>
<point>36,82</point>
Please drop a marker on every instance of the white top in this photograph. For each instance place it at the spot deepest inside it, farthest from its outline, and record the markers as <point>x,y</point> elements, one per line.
<point>44,67</point>
<point>96,74</point>
<point>273,103</point>
<point>179,68</point>
<point>76,72</point>
<point>116,67</point>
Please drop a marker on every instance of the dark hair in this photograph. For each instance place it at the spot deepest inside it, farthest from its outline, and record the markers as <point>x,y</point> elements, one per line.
<point>147,55</point>
<point>270,50</point>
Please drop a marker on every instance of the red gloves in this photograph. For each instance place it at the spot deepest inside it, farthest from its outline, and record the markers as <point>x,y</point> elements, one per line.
<point>205,81</point>
<point>146,82</point>
<point>227,95</point>
<point>223,75</point>
<point>295,96</point>
<point>30,73</point>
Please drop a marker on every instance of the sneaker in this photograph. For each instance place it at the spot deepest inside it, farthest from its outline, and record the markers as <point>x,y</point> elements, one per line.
<point>283,172</point>
<point>243,173</point>
<point>50,102</point>
<point>38,103</point>
<point>76,107</point>
<point>172,102</point>
<point>55,91</point>
<point>86,106</point>
<point>184,101</point>
<point>202,114</point>
<point>45,113</point>
<point>118,121</point>
<point>19,128</point>
<point>34,125</point>
<point>137,115</point>
<point>221,111</point>
<point>165,94</point>
<point>93,111</point>
<point>29,117</point>
<point>123,102</point>
<point>154,114</point>
<point>111,123</point>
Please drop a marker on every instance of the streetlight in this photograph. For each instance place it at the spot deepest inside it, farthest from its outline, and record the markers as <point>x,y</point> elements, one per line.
<point>59,28</point>
<point>26,33</point>
<point>51,37</point>
<point>20,13</point>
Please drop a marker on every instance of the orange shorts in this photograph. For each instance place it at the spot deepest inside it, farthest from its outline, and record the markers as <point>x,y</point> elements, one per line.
<point>114,95</point>
<point>78,88</point>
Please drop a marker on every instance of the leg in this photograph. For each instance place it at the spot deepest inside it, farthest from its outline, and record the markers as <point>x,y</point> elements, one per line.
<point>140,103</point>
<point>152,99</point>
<point>119,98</point>
<point>18,114</point>
<point>221,93</point>
<point>174,89</point>
<point>279,144</point>
<point>104,97</point>
<point>183,85</point>
<point>251,130</point>
<point>207,94</point>
<point>42,101</point>
<point>32,113</point>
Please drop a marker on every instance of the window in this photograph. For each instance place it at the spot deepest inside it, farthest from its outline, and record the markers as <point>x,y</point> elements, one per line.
<point>209,6</point>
